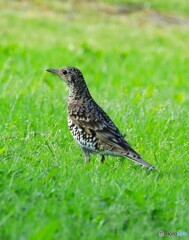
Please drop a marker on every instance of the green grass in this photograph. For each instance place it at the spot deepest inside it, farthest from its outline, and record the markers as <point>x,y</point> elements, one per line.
<point>137,71</point>
<point>170,6</point>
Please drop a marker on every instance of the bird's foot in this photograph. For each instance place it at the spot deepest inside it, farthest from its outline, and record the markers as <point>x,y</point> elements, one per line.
<point>102,158</point>
<point>87,161</point>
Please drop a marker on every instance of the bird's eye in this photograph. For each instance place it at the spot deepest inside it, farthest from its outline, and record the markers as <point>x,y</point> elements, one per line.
<point>64,72</point>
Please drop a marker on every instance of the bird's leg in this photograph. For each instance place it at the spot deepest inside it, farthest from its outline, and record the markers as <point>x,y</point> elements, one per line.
<point>102,158</point>
<point>87,155</point>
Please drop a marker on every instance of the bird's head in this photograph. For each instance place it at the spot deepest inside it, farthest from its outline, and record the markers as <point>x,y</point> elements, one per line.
<point>71,75</point>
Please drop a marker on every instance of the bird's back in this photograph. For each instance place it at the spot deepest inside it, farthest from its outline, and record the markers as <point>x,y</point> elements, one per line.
<point>86,115</point>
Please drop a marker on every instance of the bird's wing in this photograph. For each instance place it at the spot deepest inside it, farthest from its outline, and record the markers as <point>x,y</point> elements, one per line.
<point>103,127</point>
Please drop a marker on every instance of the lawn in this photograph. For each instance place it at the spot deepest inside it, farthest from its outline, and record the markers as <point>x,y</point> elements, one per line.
<point>135,61</point>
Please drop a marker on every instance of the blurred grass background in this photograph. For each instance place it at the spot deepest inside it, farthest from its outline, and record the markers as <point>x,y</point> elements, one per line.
<point>134,56</point>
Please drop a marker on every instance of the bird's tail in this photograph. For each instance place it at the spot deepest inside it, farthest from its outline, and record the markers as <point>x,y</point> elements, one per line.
<point>134,156</point>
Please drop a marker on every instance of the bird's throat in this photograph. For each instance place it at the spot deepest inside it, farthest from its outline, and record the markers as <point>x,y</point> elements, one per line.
<point>79,92</point>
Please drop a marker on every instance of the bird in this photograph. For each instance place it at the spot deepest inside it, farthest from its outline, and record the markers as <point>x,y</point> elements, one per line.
<point>89,124</point>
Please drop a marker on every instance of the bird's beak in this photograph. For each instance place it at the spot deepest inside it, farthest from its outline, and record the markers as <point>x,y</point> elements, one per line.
<point>54,71</point>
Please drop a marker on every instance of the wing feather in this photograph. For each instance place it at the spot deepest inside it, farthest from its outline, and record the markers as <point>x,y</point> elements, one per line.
<point>104,128</point>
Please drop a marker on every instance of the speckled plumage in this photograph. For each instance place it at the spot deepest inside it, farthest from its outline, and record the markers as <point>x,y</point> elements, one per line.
<point>90,126</point>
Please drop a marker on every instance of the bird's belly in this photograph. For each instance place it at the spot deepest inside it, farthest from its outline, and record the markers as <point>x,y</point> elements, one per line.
<point>81,137</point>
<point>111,153</point>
